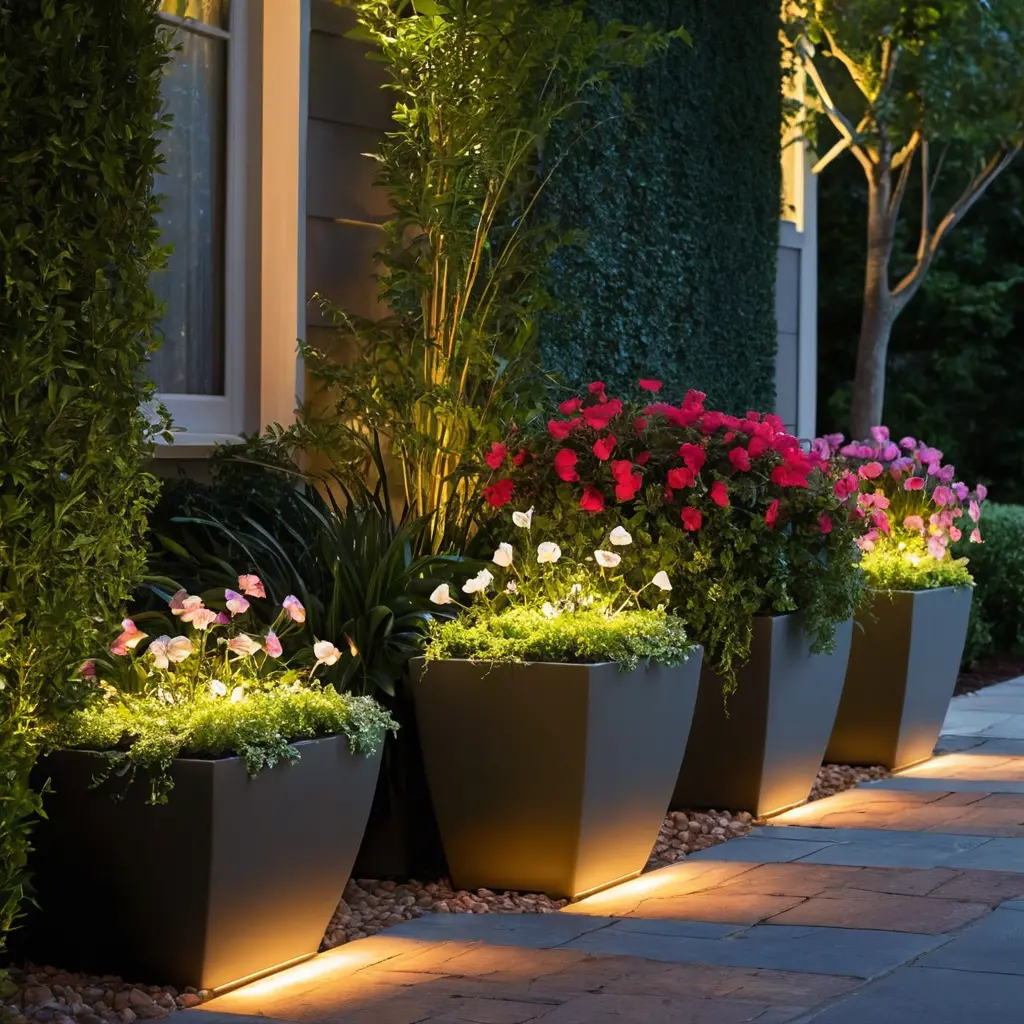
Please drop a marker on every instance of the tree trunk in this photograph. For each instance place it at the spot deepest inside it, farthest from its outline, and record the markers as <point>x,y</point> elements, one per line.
<point>878,313</point>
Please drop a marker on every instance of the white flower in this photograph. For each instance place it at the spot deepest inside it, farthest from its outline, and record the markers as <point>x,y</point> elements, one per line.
<point>620,536</point>
<point>237,694</point>
<point>607,559</point>
<point>503,556</point>
<point>511,586</point>
<point>217,688</point>
<point>479,583</point>
<point>523,519</point>
<point>326,653</point>
<point>548,552</point>
<point>661,581</point>
<point>549,610</point>
<point>442,595</point>
<point>157,650</point>
<point>244,646</point>
<point>179,649</point>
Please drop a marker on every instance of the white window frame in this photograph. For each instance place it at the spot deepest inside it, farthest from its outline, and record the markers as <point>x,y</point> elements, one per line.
<point>211,418</point>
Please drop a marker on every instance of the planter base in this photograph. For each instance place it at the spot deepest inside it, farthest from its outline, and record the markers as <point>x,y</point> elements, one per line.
<point>903,667</point>
<point>761,751</point>
<point>551,778</point>
<point>234,877</point>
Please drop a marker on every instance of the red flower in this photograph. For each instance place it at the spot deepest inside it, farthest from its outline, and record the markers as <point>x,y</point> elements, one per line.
<point>627,486</point>
<point>753,416</point>
<point>496,456</point>
<point>719,494</point>
<point>520,457</point>
<point>499,493</point>
<point>870,470</point>
<point>691,518</point>
<point>880,520</point>
<point>684,417</point>
<point>621,468</point>
<point>592,500</point>
<point>604,447</point>
<point>694,456</point>
<point>565,463</point>
<point>596,388</point>
<point>640,423</point>
<point>740,459</point>
<point>824,523</point>
<point>598,416</point>
<point>694,398</point>
<point>561,429</point>
<point>650,385</point>
<point>680,478</point>
<point>845,485</point>
<point>642,458</point>
<point>730,436</point>
<point>569,406</point>
<point>757,446</point>
<point>771,516</point>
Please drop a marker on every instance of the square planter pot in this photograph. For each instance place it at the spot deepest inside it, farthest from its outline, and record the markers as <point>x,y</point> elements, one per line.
<point>233,877</point>
<point>903,667</point>
<point>761,751</point>
<point>548,777</point>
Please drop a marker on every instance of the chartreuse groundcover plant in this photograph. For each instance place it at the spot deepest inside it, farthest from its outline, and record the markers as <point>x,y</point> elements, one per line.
<point>911,506</point>
<point>739,517</point>
<point>218,690</point>
<point>543,603</point>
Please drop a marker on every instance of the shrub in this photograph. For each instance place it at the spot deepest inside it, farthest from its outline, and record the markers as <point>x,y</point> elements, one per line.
<point>997,614</point>
<point>79,108</point>
<point>738,516</point>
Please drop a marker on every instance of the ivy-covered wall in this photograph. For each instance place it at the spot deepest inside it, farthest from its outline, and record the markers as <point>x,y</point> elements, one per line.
<point>674,189</point>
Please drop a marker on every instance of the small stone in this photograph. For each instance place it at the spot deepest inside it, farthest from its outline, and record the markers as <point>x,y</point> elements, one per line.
<point>187,1000</point>
<point>36,995</point>
<point>122,1000</point>
<point>127,1015</point>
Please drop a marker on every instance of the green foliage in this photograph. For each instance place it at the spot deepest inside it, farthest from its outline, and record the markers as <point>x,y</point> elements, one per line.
<point>477,88</point>
<point>583,636</point>
<point>673,199</point>
<point>79,111</point>
<point>343,553</point>
<point>907,565</point>
<point>997,614</point>
<point>141,733</point>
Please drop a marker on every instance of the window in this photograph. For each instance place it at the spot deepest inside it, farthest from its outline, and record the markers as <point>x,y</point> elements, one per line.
<point>198,368</point>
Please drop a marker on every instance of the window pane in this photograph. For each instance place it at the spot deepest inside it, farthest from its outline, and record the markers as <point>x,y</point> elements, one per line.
<point>191,359</point>
<point>211,12</point>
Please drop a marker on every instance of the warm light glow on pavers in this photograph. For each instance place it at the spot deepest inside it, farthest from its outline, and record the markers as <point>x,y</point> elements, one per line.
<point>969,767</point>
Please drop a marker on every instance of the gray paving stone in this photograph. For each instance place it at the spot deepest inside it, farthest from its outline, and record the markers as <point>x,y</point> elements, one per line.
<point>993,855</point>
<point>926,995</point>
<point>992,945</point>
<point>1011,728</point>
<point>1009,701</point>
<point>681,929</point>
<point>923,784</point>
<point>763,849</point>
<point>994,746</point>
<point>956,744</point>
<point>531,931</point>
<point>855,953</point>
<point>882,849</point>
<point>971,723</point>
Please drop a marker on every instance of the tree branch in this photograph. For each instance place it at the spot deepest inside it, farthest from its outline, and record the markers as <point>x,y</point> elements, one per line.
<point>926,201</point>
<point>908,150</point>
<point>847,62</point>
<point>889,57</point>
<point>901,187</point>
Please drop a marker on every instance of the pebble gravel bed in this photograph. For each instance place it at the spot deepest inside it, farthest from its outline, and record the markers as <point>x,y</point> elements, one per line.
<point>50,996</point>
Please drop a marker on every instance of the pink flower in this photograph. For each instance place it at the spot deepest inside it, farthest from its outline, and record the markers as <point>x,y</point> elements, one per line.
<point>867,542</point>
<point>691,518</point>
<point>981,491</point>
<point>603,447</point>
<point>771,516</point>
<point>222,618</point>
<point>293,606</point>
<point>680,477</point>
<point>569,406</point>
<point>846,485</point>
<point>929,455</point>
<point>87,670</point>
<point>880,434</point>
<point>976,536</point>
<point>880,520</point>
<point>694,456</point>
<point>272,645</point>
<point>719,494</point>
<point>937,546</point>
<point>244,646</point>
<point>974,510</point>
<point>128,639</point>
<point>909,443</point>
<point>650,385</point>
<point>961,490</point>
<point>913,483</point>
<point>565,463</point>
<point>739,458</point>
<point>177,602</point>
<point>942,495</point>
<point>190,609</point>
<point>496,456</point>
<point>825,523</point>
<point>914,523</point>
<point>870,470</point>
<point>237,604</point>
<point>592,500</point>
<point>890,452</point>
<point>251,586</point>
<point>499,493</point>
<point>202,618</point>
<point>955,533</point>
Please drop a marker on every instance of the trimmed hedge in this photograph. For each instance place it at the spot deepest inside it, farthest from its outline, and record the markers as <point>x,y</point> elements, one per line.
<point>79,108</point>
<point>997,613</point>
<point>676,193</point>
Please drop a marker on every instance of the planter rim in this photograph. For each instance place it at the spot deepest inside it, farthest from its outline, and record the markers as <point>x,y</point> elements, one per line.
<point>919,590</point>
<point>644,663</point>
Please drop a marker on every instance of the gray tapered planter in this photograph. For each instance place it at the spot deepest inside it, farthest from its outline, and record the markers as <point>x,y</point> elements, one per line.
<point>903,669</point>
<point>233,876</point>
<point>761,751</point>
<point>549,777</point>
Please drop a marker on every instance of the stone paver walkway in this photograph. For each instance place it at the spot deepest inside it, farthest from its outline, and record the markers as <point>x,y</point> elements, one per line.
<point>900,902</point>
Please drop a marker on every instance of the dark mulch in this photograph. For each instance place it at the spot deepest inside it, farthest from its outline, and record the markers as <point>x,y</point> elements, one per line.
<point>986,673</point>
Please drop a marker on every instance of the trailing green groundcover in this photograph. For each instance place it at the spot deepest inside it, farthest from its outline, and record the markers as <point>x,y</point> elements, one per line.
<point>141,732</point>
<point>674,274</point>
<point>79,111</point>
<point>523,634</point>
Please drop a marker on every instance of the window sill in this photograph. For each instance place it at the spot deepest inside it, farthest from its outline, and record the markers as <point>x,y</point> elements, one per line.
<point>189,445</point>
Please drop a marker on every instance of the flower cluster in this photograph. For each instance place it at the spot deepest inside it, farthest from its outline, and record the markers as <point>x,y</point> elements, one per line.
<point>907,497</point>
<point>218,656</point>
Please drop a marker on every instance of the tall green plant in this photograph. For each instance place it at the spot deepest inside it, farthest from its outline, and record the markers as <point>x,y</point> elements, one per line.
<point>478,85</point>
<point>79,111</point>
